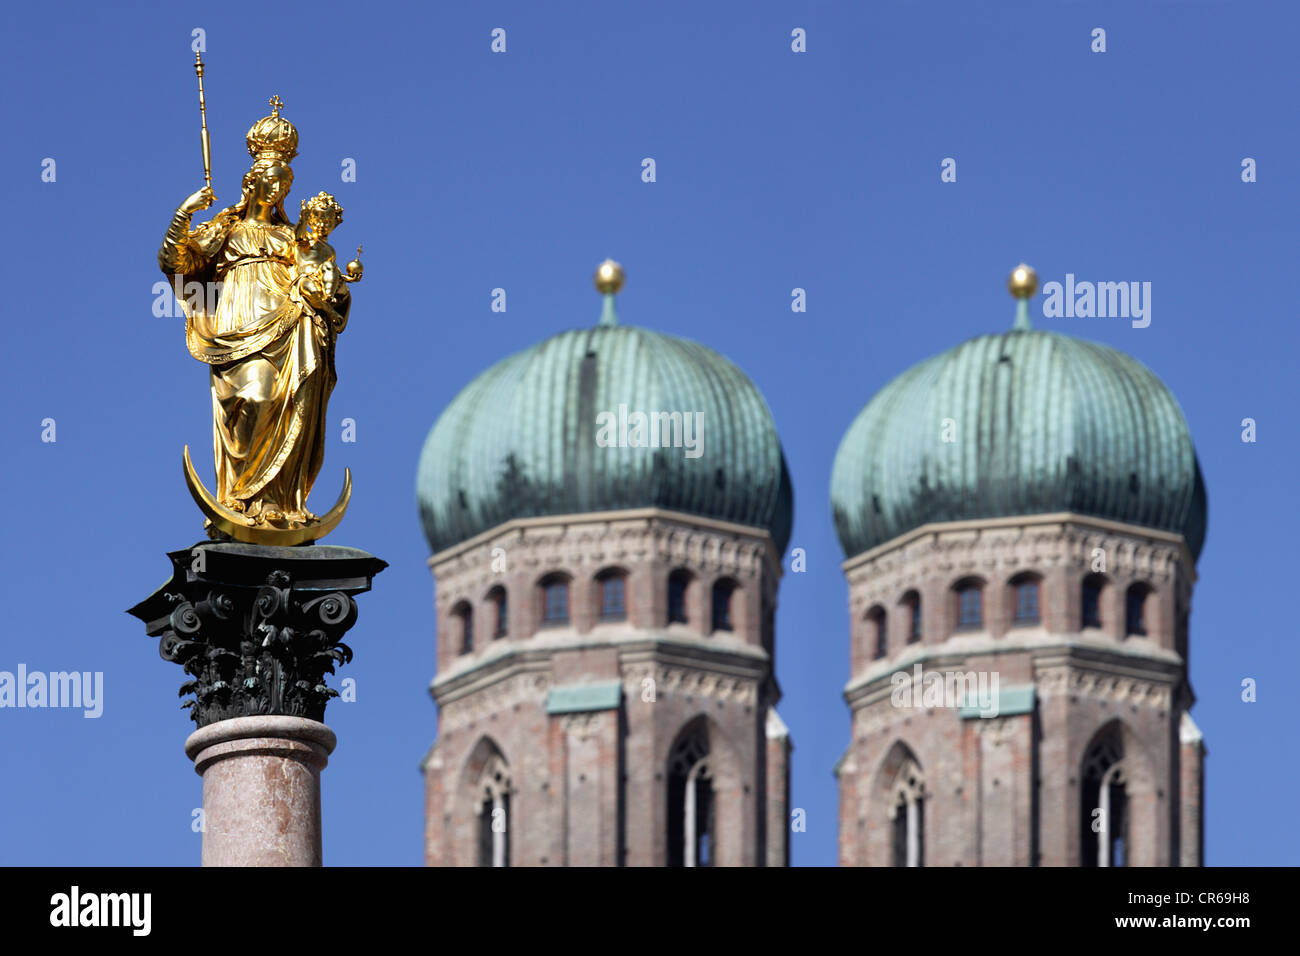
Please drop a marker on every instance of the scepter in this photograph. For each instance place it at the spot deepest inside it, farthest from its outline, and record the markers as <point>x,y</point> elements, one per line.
<point>203,118</point>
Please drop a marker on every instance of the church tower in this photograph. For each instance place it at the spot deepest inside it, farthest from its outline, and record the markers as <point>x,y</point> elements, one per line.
<point>607,512</point>
<point>1021,518</point>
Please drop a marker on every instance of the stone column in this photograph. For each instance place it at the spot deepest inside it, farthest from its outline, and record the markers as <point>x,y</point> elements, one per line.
<point>261,789</point>
<point>258,628</point>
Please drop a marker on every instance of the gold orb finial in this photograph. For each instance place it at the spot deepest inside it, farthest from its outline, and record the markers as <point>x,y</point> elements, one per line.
<point>609,277</point>
<point>1023,281</point>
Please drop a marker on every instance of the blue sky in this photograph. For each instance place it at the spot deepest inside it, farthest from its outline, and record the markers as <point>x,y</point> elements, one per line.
<point>522,170</point>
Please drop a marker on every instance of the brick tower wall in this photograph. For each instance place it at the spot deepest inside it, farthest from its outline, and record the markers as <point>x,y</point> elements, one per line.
<point>585,714</point>
<point>1007,789</point>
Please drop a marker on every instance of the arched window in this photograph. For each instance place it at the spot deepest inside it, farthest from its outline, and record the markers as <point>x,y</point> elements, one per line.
<point>1135,609</point>
<point>494,814</point>
<point>1105,810</point>
<point>1025,590</point>
<point>722,594</point>
<point>907,815</point>
<point>464,615</point>
<point>912,607</point>
<point>613,595</point>
<point>678,582</point>
<point>555,600</point>
<point>500,611</point>
<point>878,632</point>
<point>970,605</point>
<point>692,819</point>
<point>1090,600</point>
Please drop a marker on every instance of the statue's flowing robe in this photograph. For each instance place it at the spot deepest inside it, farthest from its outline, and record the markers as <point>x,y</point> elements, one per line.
<point>271,359</point>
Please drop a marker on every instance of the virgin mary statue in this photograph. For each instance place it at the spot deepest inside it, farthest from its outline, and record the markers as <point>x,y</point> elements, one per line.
<point>269,350</point>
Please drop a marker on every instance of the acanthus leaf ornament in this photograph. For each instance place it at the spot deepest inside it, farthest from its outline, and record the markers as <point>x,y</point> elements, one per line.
<point>258,629</point>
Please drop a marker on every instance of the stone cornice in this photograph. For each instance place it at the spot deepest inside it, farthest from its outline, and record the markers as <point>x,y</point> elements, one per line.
<point>1101,656</point>
<point>1056,524</point>
<point>750,664</point>
<point>1102,683</point>
<point>878,712</point>
<point>524,678</point>
<point>694,680</point>
<point>635,647</point>
<point>450,687</point>
<point>519,686</point>
<point>637,521</point>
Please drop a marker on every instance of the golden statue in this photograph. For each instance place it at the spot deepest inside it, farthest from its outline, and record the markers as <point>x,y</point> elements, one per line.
<point>267,334</point>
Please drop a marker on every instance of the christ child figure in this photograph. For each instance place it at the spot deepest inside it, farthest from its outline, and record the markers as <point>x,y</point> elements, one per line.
<point>319,280</point>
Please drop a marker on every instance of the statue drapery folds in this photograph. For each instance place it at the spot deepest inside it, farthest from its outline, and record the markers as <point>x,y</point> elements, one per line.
<point>274,303</point>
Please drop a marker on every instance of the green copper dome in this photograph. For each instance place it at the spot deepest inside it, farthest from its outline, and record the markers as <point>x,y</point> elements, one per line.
<point>521,439</point>
<point>1040,422</point>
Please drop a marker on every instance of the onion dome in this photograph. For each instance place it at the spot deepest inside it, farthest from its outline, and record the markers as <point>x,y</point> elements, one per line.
<point>1018,423</point>
<point>605,418</point>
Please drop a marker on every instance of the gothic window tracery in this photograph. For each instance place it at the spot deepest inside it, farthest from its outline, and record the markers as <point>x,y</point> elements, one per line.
<point>1105,804</point>
<point>494,813</point>
<point>907,814</point>
<point>691,804</point>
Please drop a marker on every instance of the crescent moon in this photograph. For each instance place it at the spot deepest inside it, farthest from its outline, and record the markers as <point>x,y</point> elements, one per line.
<point>235,525</point>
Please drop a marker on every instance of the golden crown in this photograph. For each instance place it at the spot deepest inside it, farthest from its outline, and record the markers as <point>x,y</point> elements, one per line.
<point>273,137</point>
